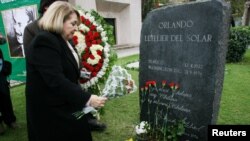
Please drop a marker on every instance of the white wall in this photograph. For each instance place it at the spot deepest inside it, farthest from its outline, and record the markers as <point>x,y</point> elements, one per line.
<point>127,14</point>
<point>124,27</point>
<point>119,1</point>
<point>85,4</point>
<point>135,22</point>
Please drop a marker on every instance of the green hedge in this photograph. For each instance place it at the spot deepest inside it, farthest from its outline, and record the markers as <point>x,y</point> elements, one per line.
<point>238,40</point>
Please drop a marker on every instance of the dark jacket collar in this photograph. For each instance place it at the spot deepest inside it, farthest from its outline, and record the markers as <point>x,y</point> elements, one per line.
<point>68,52</point>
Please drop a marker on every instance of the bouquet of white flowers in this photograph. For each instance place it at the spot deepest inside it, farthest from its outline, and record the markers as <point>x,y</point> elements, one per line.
<point>119,83</point>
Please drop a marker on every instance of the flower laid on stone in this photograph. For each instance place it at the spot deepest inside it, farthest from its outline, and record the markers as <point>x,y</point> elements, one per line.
<point>159,128</point>
<point>142,128</point>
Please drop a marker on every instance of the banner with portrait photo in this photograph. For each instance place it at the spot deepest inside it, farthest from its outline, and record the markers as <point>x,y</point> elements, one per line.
<point>14,16</point>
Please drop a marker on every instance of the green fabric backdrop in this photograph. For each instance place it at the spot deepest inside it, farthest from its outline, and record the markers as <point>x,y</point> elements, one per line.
<point>7,8</point>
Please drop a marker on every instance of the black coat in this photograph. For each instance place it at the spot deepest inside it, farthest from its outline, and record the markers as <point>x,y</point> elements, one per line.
<point>30,31</point>
<point>6,109</point>
<point>3,78</point>
<point>53,92</point>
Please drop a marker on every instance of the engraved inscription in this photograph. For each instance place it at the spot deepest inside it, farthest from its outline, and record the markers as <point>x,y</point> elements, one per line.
<point>182,37</point>
<point>193,69</point>
<point>176,24</point>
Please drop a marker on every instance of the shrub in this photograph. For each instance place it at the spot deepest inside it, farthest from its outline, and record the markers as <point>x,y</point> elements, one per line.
<point>238,40</point>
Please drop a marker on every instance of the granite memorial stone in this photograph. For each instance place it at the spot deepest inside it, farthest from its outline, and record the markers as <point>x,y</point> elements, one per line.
<point>185,44</point>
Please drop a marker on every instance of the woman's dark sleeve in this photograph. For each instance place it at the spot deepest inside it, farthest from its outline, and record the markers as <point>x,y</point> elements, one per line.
<point>46,58</point>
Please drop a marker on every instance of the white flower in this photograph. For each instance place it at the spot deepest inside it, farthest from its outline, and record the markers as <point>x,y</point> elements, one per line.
<point>142,128</point>
<point>103,34</point>
<point>94,48</point>
<point>105,39</point>
<point>100,74</point>
<point>84,28</point>
<point>95,79</point>
<point>88,84</point>
<point>92,81</point>
<point>106,49</point>
<point>92,61</point>
<point>99,29</point>
<point>139,130</point>
<point>81,42</point>
<point>88,15</point>
<point>106,60</point>
<point>81,12</point>
<point>97,57</point>
<point>95,24</point>
<point>92,19</point>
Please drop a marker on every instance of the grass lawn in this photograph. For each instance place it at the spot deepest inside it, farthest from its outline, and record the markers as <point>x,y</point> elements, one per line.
<point>122,114</point>
<point>235,101</point>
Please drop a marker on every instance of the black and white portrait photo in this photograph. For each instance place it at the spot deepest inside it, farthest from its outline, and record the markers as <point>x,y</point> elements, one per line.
<point>15,21</point>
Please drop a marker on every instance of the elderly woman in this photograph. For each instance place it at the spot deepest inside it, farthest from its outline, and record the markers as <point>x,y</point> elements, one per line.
<point>53,92</point>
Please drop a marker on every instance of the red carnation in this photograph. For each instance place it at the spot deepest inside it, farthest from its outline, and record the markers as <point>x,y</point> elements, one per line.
<point>94,42</point>
<point>75,37</point>
<point>88,44</point>
<point>93,28</point>
<point>91,56</point>
<point>150,83</point>
<point>82,80</point>
<point>87,38</point>
<point>91,38</point>
<point>87,22</point>
<point>85,56</point>
<point>97,68</point>
<point>85,64</point>
<point>86,50</point>
<point>91,69</point>
<point>99,64</point>
<point>164,82</point>
<point>90,33</point>
<point>93,74</point>
<point>101,61</point>
<point>96,35</point>
<point>75,42</point>
<point>153,83</point>
<point>99,41</point>
<point>171,85</point>
<point>99,52</point>
<point>82,19</point>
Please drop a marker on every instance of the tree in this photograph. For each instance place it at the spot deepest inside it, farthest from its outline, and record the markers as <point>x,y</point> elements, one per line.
<point>148,5</point>
<point>237,7</point>
<point>245,18</point>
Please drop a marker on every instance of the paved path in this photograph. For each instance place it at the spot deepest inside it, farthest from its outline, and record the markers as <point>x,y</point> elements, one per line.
<point>127,52</point>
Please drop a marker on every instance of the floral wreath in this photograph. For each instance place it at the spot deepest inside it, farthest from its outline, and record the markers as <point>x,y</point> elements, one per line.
<point>91,42</point>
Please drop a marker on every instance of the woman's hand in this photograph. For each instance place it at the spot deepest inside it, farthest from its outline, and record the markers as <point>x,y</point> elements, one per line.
<point>97,101</point>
